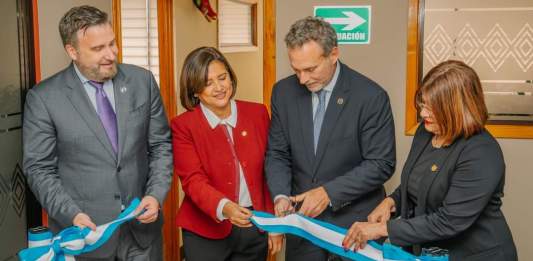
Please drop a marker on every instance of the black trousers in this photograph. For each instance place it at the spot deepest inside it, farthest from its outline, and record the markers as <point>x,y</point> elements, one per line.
<point>242,244</point>
<point>299,249</point>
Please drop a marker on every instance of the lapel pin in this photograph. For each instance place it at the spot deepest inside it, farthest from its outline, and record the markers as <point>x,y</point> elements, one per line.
<point>123,89</point>
<point>244,133</point>
<point>434,168</point>
<point>340,101</point>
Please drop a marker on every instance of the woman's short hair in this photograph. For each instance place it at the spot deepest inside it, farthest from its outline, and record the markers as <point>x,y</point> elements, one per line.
<point>193,79</point>
<point>452,92</point>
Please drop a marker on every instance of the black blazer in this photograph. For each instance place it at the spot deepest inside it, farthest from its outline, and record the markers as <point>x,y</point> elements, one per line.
<point>355,154</point>
<point>458,205</point>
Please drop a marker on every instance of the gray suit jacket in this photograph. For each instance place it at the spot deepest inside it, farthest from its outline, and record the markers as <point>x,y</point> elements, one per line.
<point>356,149</point>
<point>70,164</point>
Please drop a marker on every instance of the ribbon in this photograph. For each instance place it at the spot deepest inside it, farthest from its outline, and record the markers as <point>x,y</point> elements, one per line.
<point>73,240</point>
<point>329,237</point>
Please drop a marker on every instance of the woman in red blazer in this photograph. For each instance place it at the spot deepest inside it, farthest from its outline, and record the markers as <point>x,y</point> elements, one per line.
<point>219,146</point>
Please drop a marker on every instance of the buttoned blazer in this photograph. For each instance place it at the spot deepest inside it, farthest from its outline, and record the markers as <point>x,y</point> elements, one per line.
<point>69,161</point>
<point>356,148</point>
<point>459,201</point>
<point>204,163</point>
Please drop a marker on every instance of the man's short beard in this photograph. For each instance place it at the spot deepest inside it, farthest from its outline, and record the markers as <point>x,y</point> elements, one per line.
<point>94,73</point>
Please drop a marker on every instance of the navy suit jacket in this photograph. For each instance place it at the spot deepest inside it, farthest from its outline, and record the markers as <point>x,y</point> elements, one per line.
<point>356,148</point>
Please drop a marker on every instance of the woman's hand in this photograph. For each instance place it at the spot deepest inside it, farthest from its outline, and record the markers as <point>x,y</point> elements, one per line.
<point>275,243</point>
<point>237,215</point>
<point>382,212</point>
<point>361,232</point>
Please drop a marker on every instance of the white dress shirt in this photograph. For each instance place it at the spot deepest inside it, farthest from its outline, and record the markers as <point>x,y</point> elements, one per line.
<point>91,91</point>
<point>230,123</point>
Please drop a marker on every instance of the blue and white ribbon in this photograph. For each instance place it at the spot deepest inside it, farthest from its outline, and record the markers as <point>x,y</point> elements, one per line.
<point>73,240</point>
<point>330,237</point>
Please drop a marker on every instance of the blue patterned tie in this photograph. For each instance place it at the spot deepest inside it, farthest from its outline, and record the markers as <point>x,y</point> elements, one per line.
<point>319,116</point>
<point>106,114</point>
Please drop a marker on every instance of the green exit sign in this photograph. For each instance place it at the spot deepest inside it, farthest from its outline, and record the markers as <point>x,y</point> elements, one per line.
<point>352,23</point>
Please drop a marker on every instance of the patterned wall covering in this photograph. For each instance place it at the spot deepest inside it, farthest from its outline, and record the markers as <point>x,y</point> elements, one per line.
<point>496,39</point>
<point>12,194</point>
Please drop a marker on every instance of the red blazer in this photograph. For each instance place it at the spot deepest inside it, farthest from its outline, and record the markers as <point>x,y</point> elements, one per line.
<point>205,166</point>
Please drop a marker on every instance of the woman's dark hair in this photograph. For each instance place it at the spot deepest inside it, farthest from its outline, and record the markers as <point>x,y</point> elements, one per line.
<point>193,77</point>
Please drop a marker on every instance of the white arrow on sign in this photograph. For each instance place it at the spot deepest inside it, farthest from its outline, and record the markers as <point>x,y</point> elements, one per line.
<point>352,20</point>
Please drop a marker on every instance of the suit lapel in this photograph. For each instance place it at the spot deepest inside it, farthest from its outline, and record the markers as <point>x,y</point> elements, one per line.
<point>305,111</point>
<point>420,142</point>
<point>427,180</point>
<point>122,109</point>
<point>80,101</point>
<point>337,102</point>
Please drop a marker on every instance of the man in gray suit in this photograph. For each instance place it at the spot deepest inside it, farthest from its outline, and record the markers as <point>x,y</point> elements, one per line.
<point>95,137</point>
<point>331,141</point>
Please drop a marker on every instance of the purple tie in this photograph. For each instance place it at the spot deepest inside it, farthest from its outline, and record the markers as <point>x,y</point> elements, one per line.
<point>106,114</point>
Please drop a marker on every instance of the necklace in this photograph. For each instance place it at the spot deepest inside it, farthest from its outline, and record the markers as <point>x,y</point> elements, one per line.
<point>436,143</point>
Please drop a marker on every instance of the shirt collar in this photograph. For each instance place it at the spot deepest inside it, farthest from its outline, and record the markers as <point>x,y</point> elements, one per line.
<point>214,120</point>
<point>329,87</point>
<point>83,79</point>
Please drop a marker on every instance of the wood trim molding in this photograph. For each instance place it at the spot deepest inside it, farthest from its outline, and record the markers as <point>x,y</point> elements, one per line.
<point>117,26</point>
<point>254,24</point>
<point>269,50</point>
<point>165,24</point>
<point>269,57</point>
<point>414,36</point>
<point>411,122</point>
<point>511,131</point>
<point>250,2</point>
<point>37,60</point>
<point>36,43</point>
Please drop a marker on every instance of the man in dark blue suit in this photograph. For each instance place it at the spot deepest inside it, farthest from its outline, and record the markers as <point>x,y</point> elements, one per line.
<point>331,143</point>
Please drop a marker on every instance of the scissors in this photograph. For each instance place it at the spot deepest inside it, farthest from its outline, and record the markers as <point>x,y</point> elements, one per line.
<point>295,206</point>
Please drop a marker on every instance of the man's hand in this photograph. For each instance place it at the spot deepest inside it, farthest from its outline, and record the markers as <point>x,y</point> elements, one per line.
<point>151,207</point>
<point>237,215</point>
<point>282,206</point>
<point>82,220</point>
<point>315,201</point>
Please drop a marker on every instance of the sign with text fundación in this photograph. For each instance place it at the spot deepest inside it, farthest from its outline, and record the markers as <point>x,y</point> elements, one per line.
<point>352,23</point>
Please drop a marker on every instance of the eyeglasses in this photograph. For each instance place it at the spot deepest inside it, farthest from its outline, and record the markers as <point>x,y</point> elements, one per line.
<point>422,106</point>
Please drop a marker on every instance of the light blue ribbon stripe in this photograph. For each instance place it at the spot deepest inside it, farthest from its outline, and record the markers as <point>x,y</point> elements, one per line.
<point>40,236</point>
<point>317,241</point>
<point>71,241</point>
<point>388,251</point>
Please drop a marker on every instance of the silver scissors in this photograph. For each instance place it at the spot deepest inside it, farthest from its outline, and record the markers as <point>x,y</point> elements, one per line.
<point>295,206</point>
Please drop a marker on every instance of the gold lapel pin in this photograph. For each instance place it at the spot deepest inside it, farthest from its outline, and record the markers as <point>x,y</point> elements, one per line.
<point>434,168</point>
<point>244,133</point>
<point>340,101</point>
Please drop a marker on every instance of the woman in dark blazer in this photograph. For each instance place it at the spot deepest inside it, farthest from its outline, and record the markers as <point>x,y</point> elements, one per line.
<point>452,182</point>
<point>219,146</point>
